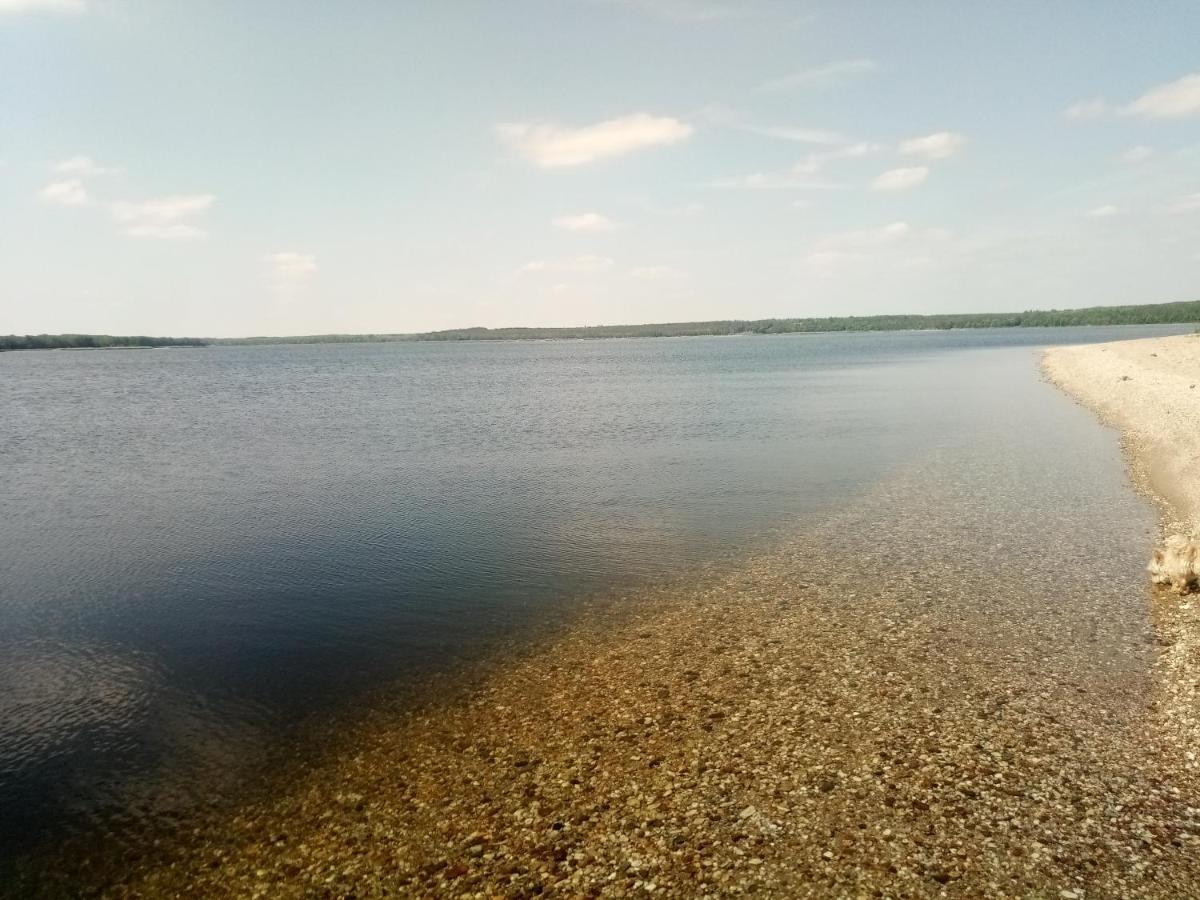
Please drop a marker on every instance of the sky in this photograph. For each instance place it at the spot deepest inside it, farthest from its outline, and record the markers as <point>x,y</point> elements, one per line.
<point>224,168</point>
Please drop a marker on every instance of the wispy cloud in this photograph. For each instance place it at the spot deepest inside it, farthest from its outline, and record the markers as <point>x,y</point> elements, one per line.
<point>815,162</point>
<point>1173,100</point>
<point>898,242</point>
<point>588,221</point>
<point>790,180</point>
<point>163,218</point>
<point>587,264</point>
<point>819,136</point>
<point>1103,212</point>
<point>1188,204</point>
<point>941,145</point>
<point>288,270</point>
<point>555,146</point>
<point>1087,109</point>
<point>79,167</point>
<point>901,179</point>
<point>1179,99</point>
<point>70,192</point>
<point>723,117</point>
<point>52,6</point>
<point>1137,154</point>
<point>821,76</point>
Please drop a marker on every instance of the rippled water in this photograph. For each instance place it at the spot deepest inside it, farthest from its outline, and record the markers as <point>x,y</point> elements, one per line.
<point>199,548</point>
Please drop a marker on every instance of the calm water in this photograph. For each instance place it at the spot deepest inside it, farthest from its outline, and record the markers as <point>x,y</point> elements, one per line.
<point>200,548</point>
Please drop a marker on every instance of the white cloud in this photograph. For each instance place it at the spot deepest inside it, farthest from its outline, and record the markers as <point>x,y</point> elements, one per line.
<point>588,264</point>
<point>941,145</point>
<point>1188,204</point>
<point>898,242</point>
<point>1103,212</point>
<point>554,146</point>
<point>1137,154</point>
<point>65,193</point>
<point>56,6</point>
<point>79,167</point>
<point>900,179</point>
<point>822,76</point>
<point>1087,109</point>
<point>1174,100</point>
<point>818,136</point>
<point>165,232</point>
<point>588,221</point>
<point>760,181</point>
<point>815,162</point>
<point>164,218</point>
<point>289,268</point>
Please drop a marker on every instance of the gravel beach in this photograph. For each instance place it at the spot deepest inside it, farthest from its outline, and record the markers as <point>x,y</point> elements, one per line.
<point>1150,390</point>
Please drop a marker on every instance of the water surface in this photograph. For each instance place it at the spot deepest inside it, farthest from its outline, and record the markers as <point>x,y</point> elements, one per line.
<point>201,548</point>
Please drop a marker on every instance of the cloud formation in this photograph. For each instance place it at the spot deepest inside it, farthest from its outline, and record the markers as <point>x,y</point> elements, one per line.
<point>815,162</point>
<point>1174,100</point>
<point>79,166</point>
<point>1137,154</point>
<point>287,269</point>
<point>1179,99</point>
<point>163,218</point>
<point>941,145</point>
<point>588,264</point>
<point>70,192</point>
<point>819,136</point>
<point>552,146</point>
<point>898,243</point>
<point>1103,212</point>
<point>822,76</point>
<point>901,179</point>
<point>588,221</point>
<point>1087,109</point>
<point>1188,204</point>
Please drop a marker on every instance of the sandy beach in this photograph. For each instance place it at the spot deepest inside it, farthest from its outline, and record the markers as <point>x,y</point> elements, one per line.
<point>1150,390</point>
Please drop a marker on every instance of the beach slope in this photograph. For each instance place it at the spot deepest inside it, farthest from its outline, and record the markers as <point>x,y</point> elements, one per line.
<point>1150,390</point>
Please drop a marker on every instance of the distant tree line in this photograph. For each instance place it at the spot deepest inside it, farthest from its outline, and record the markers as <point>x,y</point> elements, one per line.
<point>1150,314</point>
<point>93,341</point>
<point>319,339</point>
<point>1187,311</point>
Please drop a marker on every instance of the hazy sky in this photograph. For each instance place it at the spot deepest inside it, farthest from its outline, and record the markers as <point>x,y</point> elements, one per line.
<point>225,167</point>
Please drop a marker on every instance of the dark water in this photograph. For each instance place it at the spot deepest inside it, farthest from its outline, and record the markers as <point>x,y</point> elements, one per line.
<point>199,548</point>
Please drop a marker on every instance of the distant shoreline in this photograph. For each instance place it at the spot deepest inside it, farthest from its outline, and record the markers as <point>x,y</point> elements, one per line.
<point>1178,313</point>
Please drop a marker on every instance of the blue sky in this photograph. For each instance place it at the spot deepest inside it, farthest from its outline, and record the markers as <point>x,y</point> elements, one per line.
<point>230,168</point>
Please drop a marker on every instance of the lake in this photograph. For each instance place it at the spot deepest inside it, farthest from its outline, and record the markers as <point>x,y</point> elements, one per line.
<point>201,549</point>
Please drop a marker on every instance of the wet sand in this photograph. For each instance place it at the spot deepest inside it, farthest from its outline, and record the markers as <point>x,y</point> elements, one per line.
<point>940,690</point>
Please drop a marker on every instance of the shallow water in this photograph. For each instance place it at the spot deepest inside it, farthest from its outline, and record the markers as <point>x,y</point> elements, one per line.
<point>200,548</point>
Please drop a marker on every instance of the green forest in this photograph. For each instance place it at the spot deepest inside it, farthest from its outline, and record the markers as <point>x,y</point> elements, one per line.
<point>91,342</point>
<point>1150,314</point>
<point>1147,314</point>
